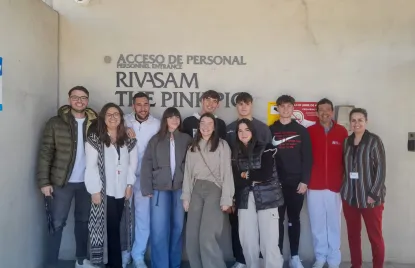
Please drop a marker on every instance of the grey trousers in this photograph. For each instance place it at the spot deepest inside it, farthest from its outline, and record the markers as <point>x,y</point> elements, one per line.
<point>204,226</point>
<point>61,203</point>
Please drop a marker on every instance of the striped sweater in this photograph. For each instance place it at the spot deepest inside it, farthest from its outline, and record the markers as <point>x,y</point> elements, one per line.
<point>369,161</point>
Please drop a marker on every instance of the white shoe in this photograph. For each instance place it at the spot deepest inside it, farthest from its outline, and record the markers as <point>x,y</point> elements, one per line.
<point>318,264</point>
<point>126,259</point>
<point>140,264</point>
<point>295,262</point>
<point>238,265</point>
<point>86,264</point>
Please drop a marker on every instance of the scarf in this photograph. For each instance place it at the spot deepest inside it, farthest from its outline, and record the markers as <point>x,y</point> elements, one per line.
<point>97,218</point>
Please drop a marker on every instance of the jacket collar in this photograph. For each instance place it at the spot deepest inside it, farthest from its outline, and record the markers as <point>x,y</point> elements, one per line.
<point>332,125</point>
<point>64,112</point>
<point>364,140</point>
<point>175,134</point>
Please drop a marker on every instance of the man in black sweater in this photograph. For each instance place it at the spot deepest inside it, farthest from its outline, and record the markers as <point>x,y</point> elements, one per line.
<point>244,103</point>
<point>209,103</point>
<point>294,161</point>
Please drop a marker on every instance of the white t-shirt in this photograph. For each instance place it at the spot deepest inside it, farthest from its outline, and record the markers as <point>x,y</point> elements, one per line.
<point>172,158</point>
<point>78,171</point>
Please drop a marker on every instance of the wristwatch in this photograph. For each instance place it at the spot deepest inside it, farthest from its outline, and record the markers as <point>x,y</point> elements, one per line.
<point>129,186</point>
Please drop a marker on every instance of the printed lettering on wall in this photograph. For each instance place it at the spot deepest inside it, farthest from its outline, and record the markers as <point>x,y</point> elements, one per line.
<point>166,80</point>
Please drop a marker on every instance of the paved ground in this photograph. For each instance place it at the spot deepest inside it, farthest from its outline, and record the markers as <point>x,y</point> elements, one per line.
<point>70,264</point>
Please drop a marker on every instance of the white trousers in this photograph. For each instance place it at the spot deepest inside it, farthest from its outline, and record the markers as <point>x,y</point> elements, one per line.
<point>324,208</point>
<point>142,223</point>
<point>258,232</point>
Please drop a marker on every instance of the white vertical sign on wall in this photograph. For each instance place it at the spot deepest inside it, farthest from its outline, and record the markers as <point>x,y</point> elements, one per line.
<point>1,84</point>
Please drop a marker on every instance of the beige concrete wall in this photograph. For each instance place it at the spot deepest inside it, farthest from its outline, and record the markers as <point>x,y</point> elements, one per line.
<point>353,52</point>
<point>29,47</point>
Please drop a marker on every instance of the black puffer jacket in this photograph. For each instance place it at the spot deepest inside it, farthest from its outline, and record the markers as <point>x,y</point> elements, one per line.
<point>262,179</point>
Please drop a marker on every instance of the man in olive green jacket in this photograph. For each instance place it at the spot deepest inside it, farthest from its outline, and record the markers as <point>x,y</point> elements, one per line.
<point>60,173</point>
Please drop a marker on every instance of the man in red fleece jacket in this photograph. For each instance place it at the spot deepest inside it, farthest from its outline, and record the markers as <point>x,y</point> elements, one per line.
<point>324,202</point>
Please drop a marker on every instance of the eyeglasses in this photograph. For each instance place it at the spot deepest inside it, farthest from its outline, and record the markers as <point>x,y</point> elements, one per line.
<point>114,115</point>
<point>76,98</point>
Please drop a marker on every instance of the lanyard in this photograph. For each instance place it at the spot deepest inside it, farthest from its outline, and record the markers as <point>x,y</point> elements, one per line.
<point>117,147</point>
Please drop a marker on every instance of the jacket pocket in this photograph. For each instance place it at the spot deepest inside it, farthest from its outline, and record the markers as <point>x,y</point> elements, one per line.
<point>162,179</point>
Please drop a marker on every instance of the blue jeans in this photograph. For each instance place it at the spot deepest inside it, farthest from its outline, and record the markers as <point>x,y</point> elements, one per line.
<point>166,221</point>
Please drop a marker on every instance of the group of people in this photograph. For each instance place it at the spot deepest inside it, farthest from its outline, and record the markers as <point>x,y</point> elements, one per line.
<point>137,179</point>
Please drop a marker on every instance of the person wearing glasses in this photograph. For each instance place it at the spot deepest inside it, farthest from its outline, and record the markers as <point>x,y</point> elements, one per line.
<point>111,162</point>
<point>60,173</point>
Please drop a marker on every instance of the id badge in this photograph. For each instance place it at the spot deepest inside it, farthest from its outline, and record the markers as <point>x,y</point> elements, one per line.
<point>118,169</point>
<point>354,175</point>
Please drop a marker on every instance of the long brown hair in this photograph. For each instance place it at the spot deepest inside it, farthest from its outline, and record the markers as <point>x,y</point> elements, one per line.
<point>164,128</point>
<point>214,138</point>
<point>102,127</point>
<point>241,149</point>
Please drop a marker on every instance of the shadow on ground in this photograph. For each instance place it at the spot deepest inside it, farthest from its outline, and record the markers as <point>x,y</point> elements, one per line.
<point>71,264</point>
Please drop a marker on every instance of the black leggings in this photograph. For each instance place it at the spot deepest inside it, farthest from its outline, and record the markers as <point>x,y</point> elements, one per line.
<point>293,203</point>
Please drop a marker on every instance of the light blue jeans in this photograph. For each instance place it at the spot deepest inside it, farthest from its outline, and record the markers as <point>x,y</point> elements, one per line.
<point>166,227</point>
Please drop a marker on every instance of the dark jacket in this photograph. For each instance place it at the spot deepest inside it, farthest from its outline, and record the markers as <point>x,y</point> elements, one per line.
<point>191,124</point>
<point>368,159</point>
<point>262,179</point>
<point>262,132</point>
<point>155,167</point>
<point>58,148</point>
<point>263,135</point>
<point>294,157</point>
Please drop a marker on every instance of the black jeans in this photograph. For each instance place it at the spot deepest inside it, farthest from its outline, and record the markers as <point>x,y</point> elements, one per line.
<point>60,206</point>
<point>236,243</point>
<point>115,208</point>
<point>293,203</point>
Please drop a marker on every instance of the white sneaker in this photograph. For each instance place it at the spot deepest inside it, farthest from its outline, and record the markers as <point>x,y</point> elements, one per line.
<point>318,264</point>
<point>126,259</point>
<point>238,265</point>
<point>295,262</point>
<point>140,264</point>
<point>86,264</point>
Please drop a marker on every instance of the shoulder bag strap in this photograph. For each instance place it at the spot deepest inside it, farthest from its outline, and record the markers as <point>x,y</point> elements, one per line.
<point>211,173</point>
